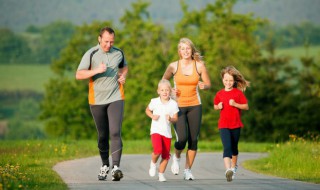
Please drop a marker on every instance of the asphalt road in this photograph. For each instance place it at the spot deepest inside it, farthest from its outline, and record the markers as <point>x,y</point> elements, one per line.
<point>81,174</point>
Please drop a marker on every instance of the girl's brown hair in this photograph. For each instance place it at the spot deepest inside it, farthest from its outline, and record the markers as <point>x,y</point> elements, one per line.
<point>239,81</point>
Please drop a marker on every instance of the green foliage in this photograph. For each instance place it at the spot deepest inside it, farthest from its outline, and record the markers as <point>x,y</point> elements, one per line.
<point>291,35</point>
<point>54,37</point>
<point>13,48</point>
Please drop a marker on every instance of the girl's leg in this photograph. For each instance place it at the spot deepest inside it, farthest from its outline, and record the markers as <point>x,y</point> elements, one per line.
<point>227,150</point>
<point>235,136</point>
<point>166,144</point>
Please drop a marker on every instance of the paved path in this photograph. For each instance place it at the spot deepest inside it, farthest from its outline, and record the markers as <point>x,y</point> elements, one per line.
<point>81,174</point>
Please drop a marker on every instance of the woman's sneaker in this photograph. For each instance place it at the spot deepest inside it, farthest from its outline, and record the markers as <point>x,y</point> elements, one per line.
<point>116,174</point>
<point>187,174</point>
<point>175,165</point>
<point>104,170</point>
<point>161,177</point>
<point>152,170</point>
<point>234,171</point>
<point>229,174</point>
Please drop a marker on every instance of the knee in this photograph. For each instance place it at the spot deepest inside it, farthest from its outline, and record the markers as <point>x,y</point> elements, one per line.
<point>193,145</point>
<point>180,145</point>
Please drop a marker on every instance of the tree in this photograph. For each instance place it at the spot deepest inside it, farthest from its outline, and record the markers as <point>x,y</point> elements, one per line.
<point>13,48</point>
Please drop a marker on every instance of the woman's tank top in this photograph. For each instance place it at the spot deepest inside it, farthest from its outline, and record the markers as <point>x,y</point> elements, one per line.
<point>187,86</point>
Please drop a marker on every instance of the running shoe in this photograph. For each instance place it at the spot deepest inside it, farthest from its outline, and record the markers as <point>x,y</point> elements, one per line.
<point>188,175</point>
<point>175,165</point>
<point>229,174</point>
<point>162,178</point>
<point>152,170</point>
<point>234,171</point>
<point>116,174</point>
<point>104,170</point>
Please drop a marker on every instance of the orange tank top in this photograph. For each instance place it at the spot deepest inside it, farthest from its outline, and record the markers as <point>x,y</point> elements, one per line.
<point>187,87</point>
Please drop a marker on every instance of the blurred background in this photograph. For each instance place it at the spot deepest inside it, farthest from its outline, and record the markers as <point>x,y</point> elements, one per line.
<point>274,43</point>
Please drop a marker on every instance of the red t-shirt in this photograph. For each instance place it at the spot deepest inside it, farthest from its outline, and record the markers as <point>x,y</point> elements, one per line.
<point>230,117</point>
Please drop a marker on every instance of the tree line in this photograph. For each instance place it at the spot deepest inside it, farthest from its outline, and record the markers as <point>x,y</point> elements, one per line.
<point>283,100</point>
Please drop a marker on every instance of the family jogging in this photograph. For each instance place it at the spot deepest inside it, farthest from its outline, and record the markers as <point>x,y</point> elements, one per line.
<point>179,106</point>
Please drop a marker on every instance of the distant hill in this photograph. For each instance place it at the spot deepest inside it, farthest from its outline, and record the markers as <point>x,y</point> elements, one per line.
<point>19,14</point>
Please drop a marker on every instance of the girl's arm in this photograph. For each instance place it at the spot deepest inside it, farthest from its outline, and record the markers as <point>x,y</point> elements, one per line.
<point>150,114</point>
<point>173,119</point>
<point>218,107</point>
<point>239,106</point>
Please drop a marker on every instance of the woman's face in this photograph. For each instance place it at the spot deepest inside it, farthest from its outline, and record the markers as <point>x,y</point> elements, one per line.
<point>185,51</point>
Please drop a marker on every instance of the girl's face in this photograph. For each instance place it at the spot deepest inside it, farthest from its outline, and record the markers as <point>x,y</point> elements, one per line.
<point>164,92</point>
<point>228,81</point>
<point>185,51</point>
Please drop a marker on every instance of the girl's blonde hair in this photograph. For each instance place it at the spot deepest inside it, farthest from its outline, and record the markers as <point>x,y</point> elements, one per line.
<point>167,82</point>
<point>239,81</point>
<point>195,55</point>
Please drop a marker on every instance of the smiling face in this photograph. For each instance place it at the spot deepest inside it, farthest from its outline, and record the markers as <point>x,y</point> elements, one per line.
<point>164,91</point>
<point>106,41</point>
<point>185,51</point>
<point>228,81</point>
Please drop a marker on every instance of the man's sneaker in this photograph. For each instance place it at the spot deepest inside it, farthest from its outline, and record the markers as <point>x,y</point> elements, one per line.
<point>104,170</point>
<point>161,177</point>
<point>234,171</point>
<point>116,174</point>
<point>188,175</point>
<point>175,165</point>
<point>153,168</point>
<point>229,174</point>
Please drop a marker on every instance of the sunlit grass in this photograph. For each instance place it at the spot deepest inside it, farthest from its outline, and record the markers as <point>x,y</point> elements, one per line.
<point>297,159</point>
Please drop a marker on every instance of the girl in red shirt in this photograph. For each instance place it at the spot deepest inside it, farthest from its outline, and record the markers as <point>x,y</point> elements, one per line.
<point>230,101</point>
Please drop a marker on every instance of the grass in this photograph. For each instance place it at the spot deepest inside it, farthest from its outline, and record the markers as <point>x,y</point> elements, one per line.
<point>297,159</point>
<point>28,164</point>
<point>24,77</point>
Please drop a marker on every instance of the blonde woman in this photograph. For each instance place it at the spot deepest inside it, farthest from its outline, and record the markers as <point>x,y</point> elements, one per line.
<point>189,75</point>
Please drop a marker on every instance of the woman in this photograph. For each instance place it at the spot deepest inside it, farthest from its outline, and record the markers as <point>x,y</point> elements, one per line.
<point>186,73</point>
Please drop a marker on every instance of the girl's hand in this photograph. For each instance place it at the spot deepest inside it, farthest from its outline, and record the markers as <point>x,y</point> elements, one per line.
<point>220,105</point>
<point>155,117</point>
<point>168,118</point>
<point>232,102</point>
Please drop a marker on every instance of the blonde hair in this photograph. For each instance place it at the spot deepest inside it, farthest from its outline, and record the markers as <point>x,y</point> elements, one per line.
<point>167,83</point>
<point>195,55</point>
<point>239,81</point>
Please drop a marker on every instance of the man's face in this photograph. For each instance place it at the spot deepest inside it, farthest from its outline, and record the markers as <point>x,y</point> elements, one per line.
<point>106,41</point>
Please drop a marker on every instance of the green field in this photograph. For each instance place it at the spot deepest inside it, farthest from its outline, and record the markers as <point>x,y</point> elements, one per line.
<point>24,77</point>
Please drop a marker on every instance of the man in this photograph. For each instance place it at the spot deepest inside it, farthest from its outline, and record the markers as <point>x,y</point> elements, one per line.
<point>106,68</point>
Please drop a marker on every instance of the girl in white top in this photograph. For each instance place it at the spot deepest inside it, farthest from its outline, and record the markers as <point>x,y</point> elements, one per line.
<point>163,111</point>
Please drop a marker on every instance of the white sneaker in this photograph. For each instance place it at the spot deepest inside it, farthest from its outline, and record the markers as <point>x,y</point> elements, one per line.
<point>104,170</point>
<point>229,174</point>
<point>188,175</point>
<point>234,171</point>
<point>161,177</point>
<point>116,174</point>
<point>175,165</point>
<point>152,170</point>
